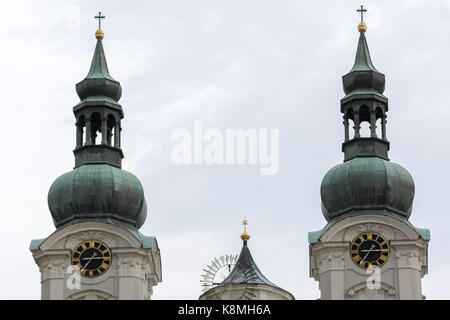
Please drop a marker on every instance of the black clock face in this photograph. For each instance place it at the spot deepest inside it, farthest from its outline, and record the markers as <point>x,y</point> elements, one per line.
<point>369,249</point>
<point>92,257</point>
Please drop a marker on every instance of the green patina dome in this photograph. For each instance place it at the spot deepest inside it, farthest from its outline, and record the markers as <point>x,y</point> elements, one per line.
<point>97,192</point>
<point>367,184</point>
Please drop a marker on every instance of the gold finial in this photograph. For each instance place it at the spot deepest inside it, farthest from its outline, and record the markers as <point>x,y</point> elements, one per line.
<point>362,27</point>
<point>99,34</point>
<point>245,236</point>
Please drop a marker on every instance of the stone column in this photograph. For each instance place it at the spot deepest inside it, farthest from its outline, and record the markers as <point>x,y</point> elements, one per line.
<point>88,132</point>
<point>346,128</point>
<point>104,131</point>
<point>373,126</point>
<point>131,278</point>
<point>79,142</point>
<point>357,124</point>
<point>332,278</point>
<point>409,270</point>
<point>328,267</point>
<point>383,126</point>
<point>117,130</point>
<point>109,135</point>
<point>52,277</point>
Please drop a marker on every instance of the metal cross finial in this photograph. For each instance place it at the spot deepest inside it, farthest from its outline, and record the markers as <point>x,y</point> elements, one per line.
<point>99,17</point>
<point>245,222</point>
<point>362,10</point>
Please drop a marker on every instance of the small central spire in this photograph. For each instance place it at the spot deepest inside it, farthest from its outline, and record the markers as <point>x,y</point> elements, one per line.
<point>364,102</point>
<point>98,113</point>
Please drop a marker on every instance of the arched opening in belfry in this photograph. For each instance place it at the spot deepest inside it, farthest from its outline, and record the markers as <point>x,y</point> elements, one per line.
<point>81,124</point>
<point>348,123</point>
<point>364,118</point>
<point>110,124</point>
<point>96,124</point>
<point>379,117</point>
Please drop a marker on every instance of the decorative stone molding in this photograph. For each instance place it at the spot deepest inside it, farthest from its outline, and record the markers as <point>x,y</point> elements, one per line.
<point>351,232</point>
<point>79,237</point>
<point>249,291</point>
<point>91,295</point>
<point>131,267</point>
<point>340,278</point>
<point>70,236</point>
<point>327,257</point>
<point>331,262</point>
<point>410,257</point>
<point>360,291</point>
<point>52,265</point>
<point>347,229</point>
<point>52,269</point>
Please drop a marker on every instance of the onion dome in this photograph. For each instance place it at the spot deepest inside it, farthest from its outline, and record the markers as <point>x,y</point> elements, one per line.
<point>97,193</point>
<point>367,182</point>
<point>367,185</point>
<point>97,189</point>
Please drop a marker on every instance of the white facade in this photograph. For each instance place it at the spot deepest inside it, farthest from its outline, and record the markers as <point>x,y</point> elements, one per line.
<point>246,292</point>
<point>135,268</point>
<point>338,276</point>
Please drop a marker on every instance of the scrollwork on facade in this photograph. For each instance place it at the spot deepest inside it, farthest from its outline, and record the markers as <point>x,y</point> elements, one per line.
<point>362,292</point>
<point>79,237</point>
<point>327,260</point>
<point>51,269</point>
<point>131,267</point>
<point>355,230</point>
<point>409,258</point>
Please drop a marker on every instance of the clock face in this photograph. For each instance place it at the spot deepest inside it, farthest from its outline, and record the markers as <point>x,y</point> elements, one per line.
<point>92,257</point>
<point>369,249</point>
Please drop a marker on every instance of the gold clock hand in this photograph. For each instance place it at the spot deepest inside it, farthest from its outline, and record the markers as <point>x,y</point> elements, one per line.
<point>368,252</point>
<point>95,253</point>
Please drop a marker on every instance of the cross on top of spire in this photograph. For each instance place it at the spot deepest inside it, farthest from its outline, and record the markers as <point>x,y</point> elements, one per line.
<point>245,236</point>
<point>362,10</point>
<point>99,17</point>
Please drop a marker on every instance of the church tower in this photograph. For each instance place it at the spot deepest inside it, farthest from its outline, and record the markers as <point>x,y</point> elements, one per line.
<point>97,251</point>
<point>246,281</point>
<point>368,249</point>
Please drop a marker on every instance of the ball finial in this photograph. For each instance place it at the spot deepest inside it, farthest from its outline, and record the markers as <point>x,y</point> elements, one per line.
<point>99,34</point>
<point>362,27</point>
<point>245,236</point>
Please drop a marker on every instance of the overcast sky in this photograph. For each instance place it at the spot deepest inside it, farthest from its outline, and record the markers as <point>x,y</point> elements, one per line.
<point>229,64</point>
